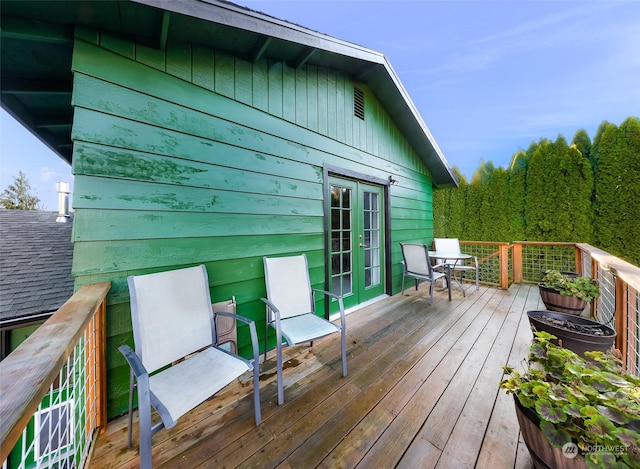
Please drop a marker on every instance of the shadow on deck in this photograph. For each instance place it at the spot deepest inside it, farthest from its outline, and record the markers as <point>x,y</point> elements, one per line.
<point>422,391</point>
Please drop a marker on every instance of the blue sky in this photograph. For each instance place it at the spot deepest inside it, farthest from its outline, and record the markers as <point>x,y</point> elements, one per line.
<point>488,78</point>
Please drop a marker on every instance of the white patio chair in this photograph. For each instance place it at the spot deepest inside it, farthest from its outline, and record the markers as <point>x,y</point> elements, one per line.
<point>452,245</point>
<point>417,265</point>
<point>177,363</point>
<point>291,309</point>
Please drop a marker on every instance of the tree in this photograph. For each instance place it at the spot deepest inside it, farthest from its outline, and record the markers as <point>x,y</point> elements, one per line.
<point>517,193</point>
<point>449,207</point>
<point>583,143</point>
<point>496,226</point>
<point>559,187</point>
<point>457,205</point>
<point>537,224</point>
<point>616,154</point>
<point>18,195</point>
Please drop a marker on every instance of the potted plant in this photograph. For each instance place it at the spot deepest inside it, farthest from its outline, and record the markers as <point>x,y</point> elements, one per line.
<point>575,412</point>
<point>574,332</point>
<point>566,292</point>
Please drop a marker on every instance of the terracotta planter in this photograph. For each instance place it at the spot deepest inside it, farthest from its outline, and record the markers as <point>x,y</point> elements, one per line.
<point>544,455</point>
<point>557,302</point>
<point>577,341</point>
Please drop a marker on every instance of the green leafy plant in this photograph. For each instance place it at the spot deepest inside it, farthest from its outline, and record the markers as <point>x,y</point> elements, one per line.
<point>584,288</point>
<point>592,403</point>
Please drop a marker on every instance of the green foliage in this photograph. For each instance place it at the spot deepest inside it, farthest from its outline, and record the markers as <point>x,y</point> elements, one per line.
<point>473,223</point>
<point>582,142</point>
<point>497,214</point>
<point>584,288</point>
<point>559,187</point>
<point>517,193</point>
<point>538,223</point>
<point>616,155</point>
<point>592,403</point>
<point>18,195</point>
<point>441,216</point>
<point>449,208</point>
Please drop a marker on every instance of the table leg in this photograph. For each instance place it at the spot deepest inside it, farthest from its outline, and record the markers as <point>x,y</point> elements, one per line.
<point>449,279</point>
<point>464,295</point>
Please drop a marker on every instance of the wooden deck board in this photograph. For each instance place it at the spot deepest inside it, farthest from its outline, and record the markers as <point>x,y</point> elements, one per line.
<point>422,391</point>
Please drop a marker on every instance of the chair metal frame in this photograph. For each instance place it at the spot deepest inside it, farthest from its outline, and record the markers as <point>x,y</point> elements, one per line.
<point>194,327</point>
<point>453,245</point>
<point>291,311</point>
<point>417,264</point>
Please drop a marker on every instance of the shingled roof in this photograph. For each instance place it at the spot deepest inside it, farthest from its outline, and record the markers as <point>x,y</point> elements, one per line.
<point>35,264</point>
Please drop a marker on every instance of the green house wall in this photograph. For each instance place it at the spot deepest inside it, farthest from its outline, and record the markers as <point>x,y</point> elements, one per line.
<point>190,155</point>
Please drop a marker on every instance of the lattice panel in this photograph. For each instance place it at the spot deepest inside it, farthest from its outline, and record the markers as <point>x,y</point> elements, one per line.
<point>633,331</point>
<point>606,303</point>
<point>538,258</point>
<point>488,263</point>
<point>586,264</point>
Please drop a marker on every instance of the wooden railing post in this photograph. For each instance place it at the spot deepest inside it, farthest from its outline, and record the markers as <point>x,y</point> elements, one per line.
<point>578,255</point>
<point>621,319</point>
<point>504,266</point>
<point>517,262</point>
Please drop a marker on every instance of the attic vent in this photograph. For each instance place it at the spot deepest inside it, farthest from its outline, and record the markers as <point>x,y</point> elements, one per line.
<point>358,103</point>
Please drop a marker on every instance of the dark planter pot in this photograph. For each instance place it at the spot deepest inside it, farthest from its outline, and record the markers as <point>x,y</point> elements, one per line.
<point>577,341</point>
<point>557,302</point>
<point>544,455</point>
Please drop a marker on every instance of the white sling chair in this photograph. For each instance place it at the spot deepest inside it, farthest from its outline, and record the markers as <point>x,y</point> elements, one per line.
<point>291,309</point>
<point>417,265</point>
<point>452,245</point>
<point>172,319</point>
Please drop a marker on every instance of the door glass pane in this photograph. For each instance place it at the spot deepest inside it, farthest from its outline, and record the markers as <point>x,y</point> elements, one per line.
<point>341,240</point>
<point>346,197</point>
<point>335,219</point>
<point>371,239</point>
<point>346,241</point>
<point>335,264</point>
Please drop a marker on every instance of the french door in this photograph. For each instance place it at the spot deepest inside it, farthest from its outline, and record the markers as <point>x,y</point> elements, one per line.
<point>356,240</point>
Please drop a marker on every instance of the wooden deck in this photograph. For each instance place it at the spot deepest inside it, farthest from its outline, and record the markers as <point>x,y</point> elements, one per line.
<point>422,392</point>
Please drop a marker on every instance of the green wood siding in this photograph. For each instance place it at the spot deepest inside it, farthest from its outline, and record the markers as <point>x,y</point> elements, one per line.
<point>190,155</point>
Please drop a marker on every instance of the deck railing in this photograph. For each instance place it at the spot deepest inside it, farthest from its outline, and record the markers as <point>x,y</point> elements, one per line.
<point>619,302</point>
<point>495,262</point>
<point>524,261</point>
<point>53,387</point>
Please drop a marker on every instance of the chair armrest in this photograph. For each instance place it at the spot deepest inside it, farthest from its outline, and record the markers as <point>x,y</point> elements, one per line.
<point>340,303</point>
<point>272,308</point>
<point>472,259</point>
<point>237,317</point>
<point>252,331</point>
<point>328,293</point>
<point>134,361</point>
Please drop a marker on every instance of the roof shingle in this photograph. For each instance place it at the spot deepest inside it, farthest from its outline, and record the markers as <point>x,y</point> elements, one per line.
<point>35,263</point>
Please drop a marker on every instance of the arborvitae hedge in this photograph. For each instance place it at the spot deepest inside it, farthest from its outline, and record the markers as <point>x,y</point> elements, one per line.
<point>517,174</point>
<point>616,156</point>
<point>583,192</point>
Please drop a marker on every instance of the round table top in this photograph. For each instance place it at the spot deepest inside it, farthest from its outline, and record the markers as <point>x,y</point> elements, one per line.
<point>449,255</point>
